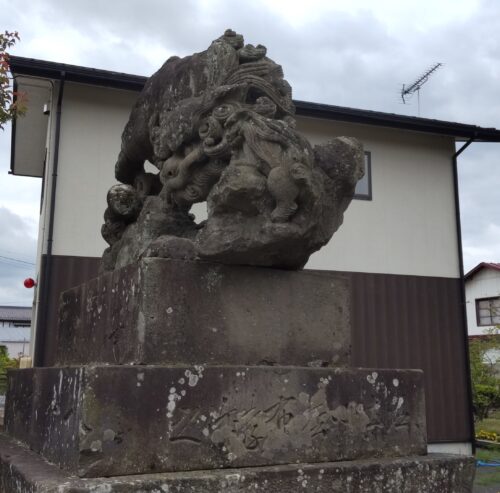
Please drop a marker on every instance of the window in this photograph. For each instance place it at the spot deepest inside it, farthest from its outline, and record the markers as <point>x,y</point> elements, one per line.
<point>364,187</point>
<point>488,311</point>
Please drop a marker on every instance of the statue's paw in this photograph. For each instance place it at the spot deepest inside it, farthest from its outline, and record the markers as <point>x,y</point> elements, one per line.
<point>284,212</point>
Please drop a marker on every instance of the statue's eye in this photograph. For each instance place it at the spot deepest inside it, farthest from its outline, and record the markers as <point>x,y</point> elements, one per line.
<point>222,111</point>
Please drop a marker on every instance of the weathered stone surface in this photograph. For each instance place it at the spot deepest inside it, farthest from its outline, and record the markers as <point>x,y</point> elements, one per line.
<point>22,471</point>
<point>219,127</point>
<point>172,312</point>
<point>93,420</point>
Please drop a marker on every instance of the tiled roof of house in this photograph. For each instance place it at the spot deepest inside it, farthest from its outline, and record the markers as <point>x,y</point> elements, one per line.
<point>482,265</point>
<point>15,313</point>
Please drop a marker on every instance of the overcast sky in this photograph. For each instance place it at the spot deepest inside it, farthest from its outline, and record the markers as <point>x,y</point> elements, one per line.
<point>353,53</point>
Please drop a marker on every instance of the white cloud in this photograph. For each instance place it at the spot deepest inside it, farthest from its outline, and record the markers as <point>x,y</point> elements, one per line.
<point>21,195</point>
<point>484,247</point>
<point>17,253</point>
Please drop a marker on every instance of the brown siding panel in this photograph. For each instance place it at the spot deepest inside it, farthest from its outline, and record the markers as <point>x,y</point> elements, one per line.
<point>416,322</point>
<point>398,322</point>
<point>67,272</point>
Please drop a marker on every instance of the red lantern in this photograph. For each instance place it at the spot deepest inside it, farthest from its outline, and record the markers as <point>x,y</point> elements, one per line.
<point>29,283</point>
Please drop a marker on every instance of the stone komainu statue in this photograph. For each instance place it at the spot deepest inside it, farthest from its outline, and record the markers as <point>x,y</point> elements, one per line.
<point>219,126</point>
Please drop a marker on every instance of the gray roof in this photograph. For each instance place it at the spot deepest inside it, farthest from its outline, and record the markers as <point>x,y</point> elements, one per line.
<point>14,334</point>
<point>15,313</point>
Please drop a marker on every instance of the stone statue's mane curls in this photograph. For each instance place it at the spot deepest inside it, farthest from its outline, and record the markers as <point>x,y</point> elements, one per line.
<point>219,126</point>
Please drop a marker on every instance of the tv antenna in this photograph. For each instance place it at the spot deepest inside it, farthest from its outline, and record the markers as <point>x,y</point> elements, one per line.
<point>407,92</point>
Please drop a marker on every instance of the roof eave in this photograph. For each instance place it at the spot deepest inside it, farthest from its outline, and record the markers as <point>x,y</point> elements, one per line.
<point>86,75</point>
<point>75,73</point>
<point>480,266</point>
<point>392,120</point>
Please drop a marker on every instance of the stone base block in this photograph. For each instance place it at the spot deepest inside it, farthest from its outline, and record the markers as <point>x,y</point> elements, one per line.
<point>182,313</point>
<point>114,420</point>
<point>22,471</point>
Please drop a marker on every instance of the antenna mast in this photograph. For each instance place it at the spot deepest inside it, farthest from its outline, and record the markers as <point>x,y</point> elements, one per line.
<point>415,86</point>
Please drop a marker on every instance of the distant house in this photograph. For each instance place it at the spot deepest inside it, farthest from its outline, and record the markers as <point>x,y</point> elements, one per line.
<point>482,292</point>
<point>15,330</point>
<point>400,244</point>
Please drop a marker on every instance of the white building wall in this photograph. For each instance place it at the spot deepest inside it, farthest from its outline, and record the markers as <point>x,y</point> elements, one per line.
<point>17,348</point>
<point>43,223</point>
<point>408,227</point>
<point>92,122</point>
<point>483,284</point>
<point>457,448</point>
<point>15,336</point>
<point>47,181</point>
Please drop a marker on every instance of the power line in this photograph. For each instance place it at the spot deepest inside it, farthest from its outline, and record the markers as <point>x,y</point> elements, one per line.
<point>25,268</point>
<point>5,251</point>
<point>18,303</point>
<point>17,260</point>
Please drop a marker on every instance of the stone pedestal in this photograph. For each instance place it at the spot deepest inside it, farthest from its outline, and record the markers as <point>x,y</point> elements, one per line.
<point>23,471</point>
<point>161,312</point>
<point>92,420</point>
<point>203,377</point>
